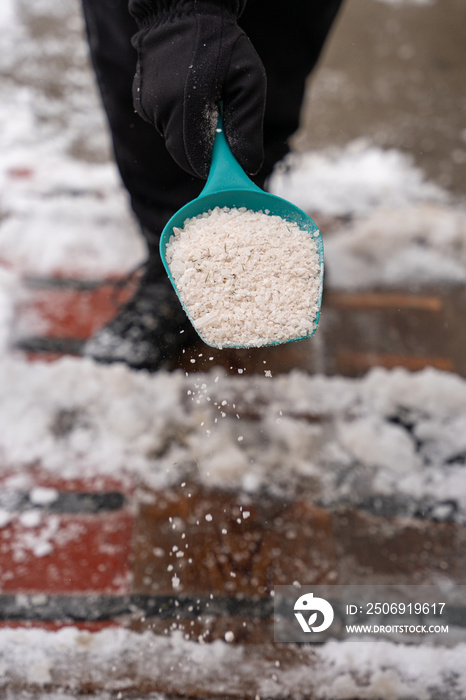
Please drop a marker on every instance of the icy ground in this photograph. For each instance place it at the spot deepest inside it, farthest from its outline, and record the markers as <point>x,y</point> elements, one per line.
<point>390,435</point>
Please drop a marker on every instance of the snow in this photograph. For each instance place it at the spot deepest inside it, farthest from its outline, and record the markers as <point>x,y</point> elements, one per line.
<point>334,671</point>
<point>390,434</point>
<point>62,216</point>
<point>412,245</point>
<point>355,179</point>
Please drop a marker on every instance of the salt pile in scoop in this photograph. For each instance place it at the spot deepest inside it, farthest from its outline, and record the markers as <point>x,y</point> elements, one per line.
<point>246,278</point>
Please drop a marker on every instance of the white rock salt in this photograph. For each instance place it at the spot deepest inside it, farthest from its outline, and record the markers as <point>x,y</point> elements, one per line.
<point>246,278</point>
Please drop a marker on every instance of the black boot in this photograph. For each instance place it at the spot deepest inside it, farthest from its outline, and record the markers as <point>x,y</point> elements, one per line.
<point>149,331</point>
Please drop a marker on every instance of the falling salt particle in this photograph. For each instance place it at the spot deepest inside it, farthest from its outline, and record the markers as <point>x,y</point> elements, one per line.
<point>170,567</point>
<point>246,514</point>
<point>42,549</point>
<point>224,532</point>
<point>192,360</point>
<point>216,378</point>
<point>175,581</point>
<point>240,438</point>
<point>158,552</point>
<point>232,574</point>
<point>208,517</point>
<point>5,518</point>
<point>238,520</point>
<point>31,518</point>
<point>240,371</point>
<point>268,373</point>
<point>42,496</point>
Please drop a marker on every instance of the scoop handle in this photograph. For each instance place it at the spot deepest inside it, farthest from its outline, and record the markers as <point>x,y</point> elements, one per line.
<point>225,171</point>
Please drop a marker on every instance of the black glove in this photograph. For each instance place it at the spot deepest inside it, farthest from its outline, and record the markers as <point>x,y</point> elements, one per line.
<point>192,54</point>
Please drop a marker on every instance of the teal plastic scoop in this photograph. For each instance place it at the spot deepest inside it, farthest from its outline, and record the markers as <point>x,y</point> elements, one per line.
<point>229,186</point>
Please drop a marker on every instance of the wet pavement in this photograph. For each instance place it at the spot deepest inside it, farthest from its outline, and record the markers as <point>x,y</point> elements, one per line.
<point>394,73</point>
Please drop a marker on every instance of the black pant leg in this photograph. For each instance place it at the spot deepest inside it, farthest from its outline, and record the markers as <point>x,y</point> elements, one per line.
<point>158,187</point>
<point>289,36</point>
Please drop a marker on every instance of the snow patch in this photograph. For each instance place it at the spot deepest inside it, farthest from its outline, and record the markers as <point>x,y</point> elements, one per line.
<point>355,179</point>
<point>391,433</point>
<point>414,244</point>
<point>114,658</point>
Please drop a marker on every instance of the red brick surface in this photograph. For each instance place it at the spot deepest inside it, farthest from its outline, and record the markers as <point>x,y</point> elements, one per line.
<point>67,554</point>
<point>75,313</point>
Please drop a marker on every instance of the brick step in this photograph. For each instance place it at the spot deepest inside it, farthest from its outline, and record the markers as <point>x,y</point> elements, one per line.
<point>389,328</point>
<point>116,563</point>
<point>129,555</point>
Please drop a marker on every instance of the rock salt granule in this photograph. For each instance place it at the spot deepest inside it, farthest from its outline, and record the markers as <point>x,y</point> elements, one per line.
<point>246,278</point>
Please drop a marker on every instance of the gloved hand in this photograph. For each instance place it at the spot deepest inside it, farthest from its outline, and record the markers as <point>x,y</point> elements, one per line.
<point>191,55</point>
